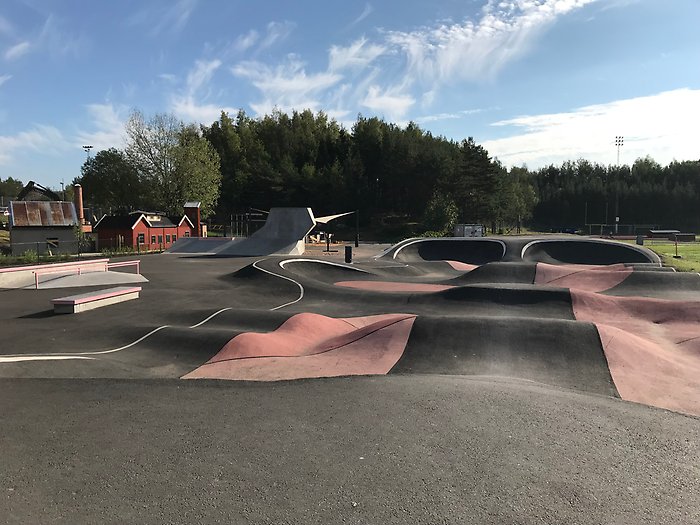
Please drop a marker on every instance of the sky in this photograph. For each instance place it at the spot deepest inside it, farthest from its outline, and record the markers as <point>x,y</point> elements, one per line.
<point>535,82</point>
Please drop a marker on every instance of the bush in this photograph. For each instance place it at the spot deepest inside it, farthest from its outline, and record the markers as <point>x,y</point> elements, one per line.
<point>30,257</point>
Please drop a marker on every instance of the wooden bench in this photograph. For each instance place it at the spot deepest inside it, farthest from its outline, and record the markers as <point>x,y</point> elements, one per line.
<point>91,300</point>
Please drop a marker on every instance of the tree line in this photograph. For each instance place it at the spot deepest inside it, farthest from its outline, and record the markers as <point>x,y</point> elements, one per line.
<point>392,175</point>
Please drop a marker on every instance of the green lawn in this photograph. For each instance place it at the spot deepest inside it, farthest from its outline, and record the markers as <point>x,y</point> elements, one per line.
<point>689,255</point>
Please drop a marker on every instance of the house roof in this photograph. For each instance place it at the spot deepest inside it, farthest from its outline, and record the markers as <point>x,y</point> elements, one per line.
<point>179,220</point>
<point>193,204</point>
<point>117,222</point>
<point>129,221</point>
<point>42,214</point>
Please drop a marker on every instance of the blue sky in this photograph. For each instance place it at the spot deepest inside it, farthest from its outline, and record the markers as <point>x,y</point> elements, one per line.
<point>534,81</point>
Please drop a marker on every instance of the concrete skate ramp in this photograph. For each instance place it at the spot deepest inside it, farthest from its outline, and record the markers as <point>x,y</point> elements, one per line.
<point>195,245</point>
<point>282,234</point>
<point>469,251</point>
<point>586,251</point>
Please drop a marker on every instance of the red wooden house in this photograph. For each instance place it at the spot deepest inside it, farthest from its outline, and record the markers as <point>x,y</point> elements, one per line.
<point>141,230</point>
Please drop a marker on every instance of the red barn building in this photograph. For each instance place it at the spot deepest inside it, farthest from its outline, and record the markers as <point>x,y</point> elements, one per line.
<point>142,230</point>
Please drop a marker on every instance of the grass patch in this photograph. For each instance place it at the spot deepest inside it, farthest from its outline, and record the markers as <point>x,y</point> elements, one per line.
<point>689,253</point>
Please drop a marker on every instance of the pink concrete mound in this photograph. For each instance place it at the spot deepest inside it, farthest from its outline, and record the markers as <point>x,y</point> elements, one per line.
<point>462,267</point>
<point>311,345</point>
<point>391,286</point>
<point>652,347</point>
<point>582,277</point>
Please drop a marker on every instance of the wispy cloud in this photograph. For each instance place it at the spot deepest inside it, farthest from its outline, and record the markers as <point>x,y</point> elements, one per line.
<point>160,20</point>
<point>168,77</point>
<point>365,13</point>
<point>16,51</point>
<point>286,86</point>
<point>400,69</point>
<point>478,50</point>
<point>390,103</point>
<point>60,41</point>
<point>276,32</point>
<point>6,28</point>
<point>246,41</point>
<point>192,104</point>
<point>654,125</point>
<point>448,116</point>
<point>107,126</point>
<point>358,55</point>
<point>46,139</point>
<point>4,78</point>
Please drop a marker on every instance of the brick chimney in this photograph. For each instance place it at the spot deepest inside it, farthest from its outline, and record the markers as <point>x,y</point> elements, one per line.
<point>78,199</point>
<point>193,214</point>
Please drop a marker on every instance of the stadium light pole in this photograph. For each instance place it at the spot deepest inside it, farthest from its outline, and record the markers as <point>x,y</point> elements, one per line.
<point>619,142</point>
<point>87,149</point>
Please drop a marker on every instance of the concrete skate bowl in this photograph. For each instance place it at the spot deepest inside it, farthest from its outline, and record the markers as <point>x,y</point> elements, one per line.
<point>467,251</point>
<point>586,251</point>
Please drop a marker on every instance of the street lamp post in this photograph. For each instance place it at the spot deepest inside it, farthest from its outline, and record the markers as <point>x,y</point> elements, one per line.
<point>619,142</point>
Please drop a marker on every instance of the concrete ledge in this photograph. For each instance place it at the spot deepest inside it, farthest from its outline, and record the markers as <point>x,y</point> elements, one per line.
<point>91,300</point>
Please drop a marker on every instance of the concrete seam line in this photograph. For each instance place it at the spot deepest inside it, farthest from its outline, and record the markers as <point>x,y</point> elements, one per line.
<point>13,358</point>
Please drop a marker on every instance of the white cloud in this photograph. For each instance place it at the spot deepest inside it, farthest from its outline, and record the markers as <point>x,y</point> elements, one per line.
<point>6,27</point>
<point>286,86</point>
<point>59,41</point>
<point>475,51</point>
<point>358,55</point>
<point>17,51</point>
<point>41,138</point>
<point>448,116</point>
<point>402,68</point>
<point>170,19</point>
<point>191,105</point>
<point>202,74</point>
<point>107,127</point>
<point>391,103</point>
<point>244,42</point>
<point>365,13</point>
<point>662,125</point>
<point>4,78</point>
<point>276,32</point>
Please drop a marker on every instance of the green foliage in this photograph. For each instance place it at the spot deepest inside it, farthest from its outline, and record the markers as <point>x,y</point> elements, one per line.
<point>174,162</point>
<point>30,257</point>
<point>440,215</point>
<point>9,189</point>
<point>433,233</point>
<point>378,168</point>
<point>644,194</point>
<point>111,182</point>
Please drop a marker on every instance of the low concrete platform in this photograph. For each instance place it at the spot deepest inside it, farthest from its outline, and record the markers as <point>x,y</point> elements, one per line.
<point>89,301</point>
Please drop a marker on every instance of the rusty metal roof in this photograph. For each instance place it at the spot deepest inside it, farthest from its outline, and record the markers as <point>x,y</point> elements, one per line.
<point>42,214</point>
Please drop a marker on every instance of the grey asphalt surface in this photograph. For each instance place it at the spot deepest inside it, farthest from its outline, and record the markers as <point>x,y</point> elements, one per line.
<point>421,445</point>
<point>396,449</point>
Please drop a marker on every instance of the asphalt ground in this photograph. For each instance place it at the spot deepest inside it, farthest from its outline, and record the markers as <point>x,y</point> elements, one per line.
<point>395,449</point>
<point>501,409</point>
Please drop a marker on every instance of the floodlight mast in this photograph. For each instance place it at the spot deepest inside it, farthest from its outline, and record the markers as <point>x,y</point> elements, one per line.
<point>87,149</point>
<point>619,142</point>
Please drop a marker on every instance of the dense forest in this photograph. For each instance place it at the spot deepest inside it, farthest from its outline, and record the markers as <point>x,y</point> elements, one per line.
<point>392,175</point>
